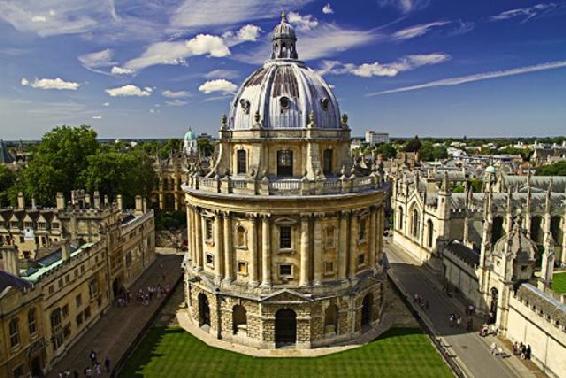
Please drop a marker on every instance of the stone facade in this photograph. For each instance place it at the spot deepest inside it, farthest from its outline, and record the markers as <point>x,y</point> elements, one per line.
<point>285,231</point>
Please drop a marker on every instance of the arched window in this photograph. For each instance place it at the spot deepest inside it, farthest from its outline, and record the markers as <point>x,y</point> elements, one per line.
<point>401,220</point>
<point>14,333</point>
<point>242,163</point>
<point>430,232</point>
<point>416,223</point>
<point>362,231</point>
<point>327,161</point>
<point>241,236</point>
<point>285,163</point>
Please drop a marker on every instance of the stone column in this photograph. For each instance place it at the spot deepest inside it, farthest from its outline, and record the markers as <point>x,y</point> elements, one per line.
<point>353,244</point>
<point>218,253</point>
<point>563,254</point>
<point>161,195</point>
<point>199,239</point>
<point>265,251</point>
<point>343,246</point>
<point>318,263</point>
<point>304,279</point>
<point>190,235</point>
<point>372,237</point>
<point>380,229</point>
<point>253,253</point>
<point>228,258</point>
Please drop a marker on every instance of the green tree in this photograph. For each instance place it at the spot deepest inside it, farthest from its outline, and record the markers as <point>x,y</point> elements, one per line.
<point>556,169</point>
<point>128,173</point>
<point>7,181</point>
<point>428,152</point>
<point>57,162</point>
<point>205,148</point>
<point>387,150</point>
<point>414,145</point>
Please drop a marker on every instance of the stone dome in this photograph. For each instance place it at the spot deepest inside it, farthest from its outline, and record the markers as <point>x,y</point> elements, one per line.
<point>189,135</point>
<point>284,93</point>
<point>516,245</point>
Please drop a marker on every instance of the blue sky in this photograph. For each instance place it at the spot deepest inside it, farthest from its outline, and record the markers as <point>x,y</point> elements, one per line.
<point>152,68</point>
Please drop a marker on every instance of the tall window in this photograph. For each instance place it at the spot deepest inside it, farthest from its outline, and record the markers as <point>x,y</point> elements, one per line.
<point>285,163</point>
<point>241,161</point>
<point>430,233</point>
<point>362,231</point>
<point>327,161</point>
<point>209,229</point>
<point>416,223</point>
<point>14,332</point>
<point>285,237</point>
<point>32,322</point>
<point>401,220</point>
<point>241,236</point>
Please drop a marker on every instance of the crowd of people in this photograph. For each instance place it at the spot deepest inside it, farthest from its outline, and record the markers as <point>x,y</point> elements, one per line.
<point>95,368</point>
<point>522,350</point>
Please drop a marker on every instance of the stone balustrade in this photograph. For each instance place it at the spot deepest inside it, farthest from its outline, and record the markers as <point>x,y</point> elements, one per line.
<point>284,186</point>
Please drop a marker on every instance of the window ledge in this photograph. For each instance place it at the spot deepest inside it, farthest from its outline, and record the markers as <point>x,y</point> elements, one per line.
<point>286,251</point>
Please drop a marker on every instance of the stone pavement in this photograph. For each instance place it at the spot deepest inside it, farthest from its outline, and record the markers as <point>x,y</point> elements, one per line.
<point>470,351</point>
<point>113,334</point>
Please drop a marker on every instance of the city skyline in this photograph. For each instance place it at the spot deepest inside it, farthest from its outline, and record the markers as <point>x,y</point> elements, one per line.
<point>408,67</point>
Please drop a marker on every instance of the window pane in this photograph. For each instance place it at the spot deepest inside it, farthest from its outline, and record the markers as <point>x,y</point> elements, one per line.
<point>285,237</point>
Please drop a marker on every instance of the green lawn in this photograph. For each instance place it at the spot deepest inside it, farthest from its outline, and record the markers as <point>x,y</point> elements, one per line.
<point>173,352</point>
<point>559,282</point>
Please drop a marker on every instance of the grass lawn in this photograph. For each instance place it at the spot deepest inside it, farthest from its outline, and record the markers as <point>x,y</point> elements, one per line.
<point>559,282</point>
<point>173,352</point>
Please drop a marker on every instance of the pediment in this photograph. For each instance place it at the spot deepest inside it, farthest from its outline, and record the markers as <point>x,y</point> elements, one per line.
<point>286,295</point>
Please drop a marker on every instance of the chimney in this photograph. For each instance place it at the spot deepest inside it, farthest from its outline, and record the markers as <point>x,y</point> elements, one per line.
<point>139,205</point>
<point>96,201</point>
<point>144,208</point>
<point>60,200</point>
<point>33,205</point>
<point>65,251</point>
<point>119,202</point>
<point>9,260</point>
<point>21,201</point>
<point>87,200</point>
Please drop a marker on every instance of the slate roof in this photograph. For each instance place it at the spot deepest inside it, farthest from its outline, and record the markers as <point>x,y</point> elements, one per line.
<point>7,280</point>
<point>468,255</point>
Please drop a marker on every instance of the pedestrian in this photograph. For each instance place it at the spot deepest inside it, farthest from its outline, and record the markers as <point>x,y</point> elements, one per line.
<point>493,348</point>
<point>528,352</point>
<point>107,364</point>
<point>93,357</point>
<point>458,320</point>
<point>60,375</point>
<point>97,370</point>
<point>67,373</point>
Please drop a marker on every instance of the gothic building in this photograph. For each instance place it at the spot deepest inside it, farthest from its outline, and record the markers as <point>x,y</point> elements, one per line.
<point>497,249</point>
<point>285,230</point>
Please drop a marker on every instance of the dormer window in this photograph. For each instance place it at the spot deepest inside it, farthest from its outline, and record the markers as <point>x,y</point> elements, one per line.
<point>284,102</point>
<point>324,103</point>
<point>245,104</point>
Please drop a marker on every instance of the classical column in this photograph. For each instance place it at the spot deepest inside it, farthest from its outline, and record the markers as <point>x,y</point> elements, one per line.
<point>380,229</point>
<point>253,253</point>
<point>265,251</point>
<point>354,236</point>
<point>199,240</point>
<point>218,253</point>
<point>318,264</point>
<point>304,279</point>
<point>343,246</point>
<point>372,237</point>
<point>563,254</point>
<point>228,258</point>
<point>190,235</point>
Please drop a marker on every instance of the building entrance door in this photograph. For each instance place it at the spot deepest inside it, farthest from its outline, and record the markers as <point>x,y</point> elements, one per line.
<point>285,328</point>
<point>366,310</point>
<point>203,310</point>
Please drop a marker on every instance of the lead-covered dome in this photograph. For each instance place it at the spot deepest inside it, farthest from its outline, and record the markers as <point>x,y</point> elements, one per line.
<point>284,93</point>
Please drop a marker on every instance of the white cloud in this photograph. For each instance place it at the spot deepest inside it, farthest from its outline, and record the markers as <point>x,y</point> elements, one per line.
<point>56,83</point>
<point>218,85</point>
<point>199,13</point>
<point>366,70</point>
<point>222,74</point>
<point>246,33</point>
<point>405,6</point>
<point>129,90</point>
<point>96,117</point>
<point>327,9</point>
<point>106,104</point>
<point>172,94</point>
<point>97,59</point>
<point>302,23</point>
<point>176,103</point>
<point>121,71</point>
<point>175,52</point>
<point>70,17</point>
<point>525,13</point>
<point>477,77</point>
<point>417,30</point>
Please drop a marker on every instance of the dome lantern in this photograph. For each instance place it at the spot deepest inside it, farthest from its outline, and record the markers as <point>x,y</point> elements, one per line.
<point>284,40</point>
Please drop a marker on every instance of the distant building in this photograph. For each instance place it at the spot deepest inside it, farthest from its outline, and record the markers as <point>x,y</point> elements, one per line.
<point>5,156</point>
<point>190,145</point>
<point>374,137</point>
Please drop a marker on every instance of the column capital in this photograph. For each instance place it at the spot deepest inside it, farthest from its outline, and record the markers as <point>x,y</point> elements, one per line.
<point>265,216</point>
<point>251,215</point>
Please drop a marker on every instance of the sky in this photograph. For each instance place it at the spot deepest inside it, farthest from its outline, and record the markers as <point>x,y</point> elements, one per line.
<point>154,68</point>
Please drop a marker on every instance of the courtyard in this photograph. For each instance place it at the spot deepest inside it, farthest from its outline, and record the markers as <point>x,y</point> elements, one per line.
<point>169,351</point>
<point>559,282</point>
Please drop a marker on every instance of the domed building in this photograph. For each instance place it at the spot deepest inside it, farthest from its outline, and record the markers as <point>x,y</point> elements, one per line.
<point>190,145</point>
<point>285,228</point>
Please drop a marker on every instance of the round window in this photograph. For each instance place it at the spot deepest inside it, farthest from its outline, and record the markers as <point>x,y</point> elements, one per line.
<point>284,102</point>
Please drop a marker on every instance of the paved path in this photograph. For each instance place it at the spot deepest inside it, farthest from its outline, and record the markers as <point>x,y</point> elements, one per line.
<point>118,328</point>
<point>471,350</point>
